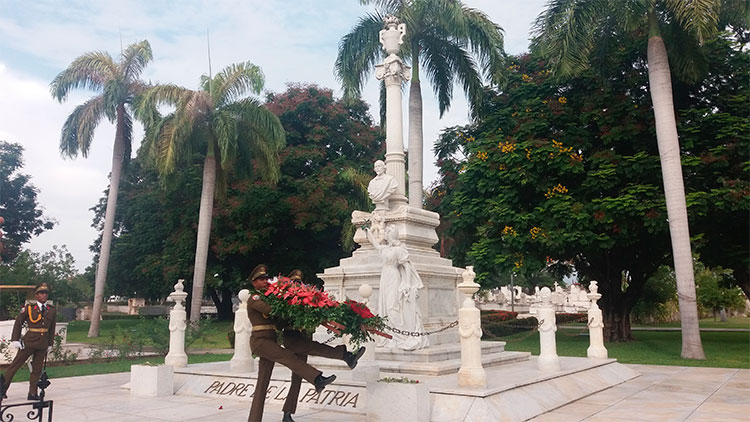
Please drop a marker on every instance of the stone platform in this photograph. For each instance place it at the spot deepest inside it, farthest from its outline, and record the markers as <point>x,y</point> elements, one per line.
<point>515,392</point>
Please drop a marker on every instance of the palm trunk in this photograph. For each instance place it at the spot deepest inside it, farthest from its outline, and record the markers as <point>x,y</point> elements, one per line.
<point>204,232</point>
<point>660,84</point>
<point>416,137</point>
<point>118,155</point>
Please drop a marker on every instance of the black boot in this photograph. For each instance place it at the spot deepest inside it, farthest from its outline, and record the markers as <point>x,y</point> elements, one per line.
<point>287,417</point>
<point>351,359</point>
<point>321,382</point>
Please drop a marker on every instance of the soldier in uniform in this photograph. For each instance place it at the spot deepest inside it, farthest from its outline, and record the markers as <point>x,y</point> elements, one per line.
<point>37,342</point>
<point>263,343</point>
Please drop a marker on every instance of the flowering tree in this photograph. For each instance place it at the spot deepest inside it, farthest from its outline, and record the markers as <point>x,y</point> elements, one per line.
<point>570,172</point>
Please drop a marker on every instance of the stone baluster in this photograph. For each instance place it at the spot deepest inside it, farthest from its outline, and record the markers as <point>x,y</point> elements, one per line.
<point>177,316</point>
<point>596,325</point>
<point>548,360</point>
<point>471,373</point>
<point>242,360</point>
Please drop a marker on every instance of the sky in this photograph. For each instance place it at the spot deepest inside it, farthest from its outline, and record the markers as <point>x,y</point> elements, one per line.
<point>293,41</point>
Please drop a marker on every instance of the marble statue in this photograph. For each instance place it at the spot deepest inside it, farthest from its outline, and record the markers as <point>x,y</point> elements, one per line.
<point>399,286</point>
<point>381,187</point>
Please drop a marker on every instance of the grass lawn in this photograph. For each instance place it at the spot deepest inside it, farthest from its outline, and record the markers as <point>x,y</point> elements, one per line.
<point>723,349</point>
<point>734,322</point>
<point>80,369</point>
<point>215,334</point>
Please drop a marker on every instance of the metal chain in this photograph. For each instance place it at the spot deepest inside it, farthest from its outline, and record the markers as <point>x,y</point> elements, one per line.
<point>420,334</point>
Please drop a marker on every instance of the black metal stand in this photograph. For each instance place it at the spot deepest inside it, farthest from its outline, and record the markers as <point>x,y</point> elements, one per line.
<point>37,406</point>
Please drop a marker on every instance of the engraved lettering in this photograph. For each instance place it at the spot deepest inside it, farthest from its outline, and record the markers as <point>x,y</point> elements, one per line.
<point>353,400</point>
<point>337,397</point>
<point>214,387</point>
<point>314,398</point>
<point>224,391</point>
<point>241,389</point>
<point>327,393</point>
<point>309,392</point>
<point>269,392</point>
<point>278,396</point>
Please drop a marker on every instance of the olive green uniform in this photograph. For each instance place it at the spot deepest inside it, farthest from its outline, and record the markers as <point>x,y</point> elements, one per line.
<point>41,335</point>
<point>263,343</point>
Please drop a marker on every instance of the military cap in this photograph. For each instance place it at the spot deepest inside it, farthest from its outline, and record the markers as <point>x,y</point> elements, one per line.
<point>42,288</point>
<point>259,271</point>
<point>296,275</point>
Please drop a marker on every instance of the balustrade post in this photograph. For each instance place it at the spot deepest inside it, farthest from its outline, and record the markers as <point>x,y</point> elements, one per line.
<point>177,325</point>
<point>471,373</point>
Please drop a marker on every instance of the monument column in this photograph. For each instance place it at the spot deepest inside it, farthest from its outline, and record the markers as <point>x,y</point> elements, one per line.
<point>393,72</point>
<point>177,316</point>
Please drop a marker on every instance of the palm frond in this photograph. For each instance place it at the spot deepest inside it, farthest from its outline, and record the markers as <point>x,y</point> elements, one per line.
<point>224,126</point>
<point>388,6</point>
<point>698,17</point>
<point>89,71</point>
<point>78,129</point>
<point>261,136</point>
<point>235,81</point>
<point>486,40</point>
<point>134,59</point>
<point>564,33</point>
<point>686,59</point>
<point>358,52</point>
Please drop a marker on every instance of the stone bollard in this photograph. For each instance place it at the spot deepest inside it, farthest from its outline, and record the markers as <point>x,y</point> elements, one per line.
<point>596,325</point>
<point>242,360</point>
<point>471,373</point>
<point>548,360</point>
<point>368,369</point>
<point>176,356</point>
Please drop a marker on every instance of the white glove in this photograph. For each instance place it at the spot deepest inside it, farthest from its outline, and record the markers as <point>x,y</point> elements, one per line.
<point>16,344</point>
<point>49,349</point>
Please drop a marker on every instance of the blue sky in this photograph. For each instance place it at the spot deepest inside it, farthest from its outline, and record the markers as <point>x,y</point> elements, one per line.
<point>291,40</point>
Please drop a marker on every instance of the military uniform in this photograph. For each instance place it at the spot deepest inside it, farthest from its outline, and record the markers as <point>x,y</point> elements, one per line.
<point>264,344</point>
<point>41,319</point>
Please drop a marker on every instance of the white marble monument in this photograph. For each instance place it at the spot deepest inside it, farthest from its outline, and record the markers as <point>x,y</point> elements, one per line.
<point>242,360</point>
<point>548,359</point>
<point>596,325</point>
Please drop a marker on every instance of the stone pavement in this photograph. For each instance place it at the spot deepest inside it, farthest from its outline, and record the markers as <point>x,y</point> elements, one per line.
<point>661,393</point>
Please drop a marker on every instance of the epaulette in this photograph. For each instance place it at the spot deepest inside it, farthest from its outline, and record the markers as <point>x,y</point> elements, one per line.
<point>23,309</point>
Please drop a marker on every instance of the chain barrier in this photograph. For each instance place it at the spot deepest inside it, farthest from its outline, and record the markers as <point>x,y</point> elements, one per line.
<point>533,330</point>
<point>420,334</point>
<point>574,333</point>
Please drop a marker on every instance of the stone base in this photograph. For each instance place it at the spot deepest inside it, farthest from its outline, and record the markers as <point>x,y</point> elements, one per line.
<point>442,359</point>
<point>151,381</point>
<point>515,392</point>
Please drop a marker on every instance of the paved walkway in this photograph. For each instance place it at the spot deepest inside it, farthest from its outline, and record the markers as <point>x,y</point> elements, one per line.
<point>660,394</point>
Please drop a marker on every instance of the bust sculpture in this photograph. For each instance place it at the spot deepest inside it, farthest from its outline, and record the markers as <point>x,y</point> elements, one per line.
<point>381,187</point>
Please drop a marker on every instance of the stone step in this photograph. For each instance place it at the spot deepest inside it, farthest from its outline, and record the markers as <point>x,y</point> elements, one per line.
<point>437,353</point>
<point>443,367</point>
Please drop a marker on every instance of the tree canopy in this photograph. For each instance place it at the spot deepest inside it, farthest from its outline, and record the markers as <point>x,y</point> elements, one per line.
<point>24,216</point>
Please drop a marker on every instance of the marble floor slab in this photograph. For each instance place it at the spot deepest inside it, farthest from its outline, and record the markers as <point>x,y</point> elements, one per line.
<point>659,394</point>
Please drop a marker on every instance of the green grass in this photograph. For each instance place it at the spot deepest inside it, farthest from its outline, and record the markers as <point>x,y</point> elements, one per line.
<point>81,369</point>
<point>733,322</point>
<point>215,335</point>
<point>723,349</point>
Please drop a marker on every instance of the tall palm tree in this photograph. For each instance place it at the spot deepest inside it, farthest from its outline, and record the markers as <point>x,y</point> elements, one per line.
<point>569,32</point>
<point>220,121</point>
<point>117,83</point>
<point>453,43</point>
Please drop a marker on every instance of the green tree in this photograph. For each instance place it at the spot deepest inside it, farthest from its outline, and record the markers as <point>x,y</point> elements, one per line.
<point>224,125</point>
<point>714,293</point>
<point>117,83</point>
<point>570,31</point>
<point>570,171</point>
<point>454,43</point>
<point>23,216</point>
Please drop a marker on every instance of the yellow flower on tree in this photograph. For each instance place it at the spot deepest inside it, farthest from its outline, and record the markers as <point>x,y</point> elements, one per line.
<point>562,100</point>
<point>509,231</point>
<point>559,189</point>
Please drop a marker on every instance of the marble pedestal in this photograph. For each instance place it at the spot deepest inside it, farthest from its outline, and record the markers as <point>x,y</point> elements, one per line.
<point>438,300</point>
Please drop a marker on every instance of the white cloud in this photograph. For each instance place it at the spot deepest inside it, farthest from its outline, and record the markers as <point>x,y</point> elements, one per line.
<point>292,41</point>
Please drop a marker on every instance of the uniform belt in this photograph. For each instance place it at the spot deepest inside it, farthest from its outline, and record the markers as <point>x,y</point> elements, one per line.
<point>38,330</point>
<point>264,327</point>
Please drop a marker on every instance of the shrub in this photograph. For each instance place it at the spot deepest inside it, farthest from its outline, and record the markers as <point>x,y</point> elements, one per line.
<point>510,327</point>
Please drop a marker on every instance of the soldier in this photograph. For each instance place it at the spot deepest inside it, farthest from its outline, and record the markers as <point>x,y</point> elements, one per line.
<point>37,342</point>
<point>263,344</point>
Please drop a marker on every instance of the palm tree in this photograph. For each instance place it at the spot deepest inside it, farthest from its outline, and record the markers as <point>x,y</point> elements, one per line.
<point>220,121</point>
<point>117,84</point>
<point>570,31</point>
<point>451,41</point>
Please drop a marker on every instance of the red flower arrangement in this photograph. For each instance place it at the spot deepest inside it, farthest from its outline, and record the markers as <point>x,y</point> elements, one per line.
<point>306,307</point>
